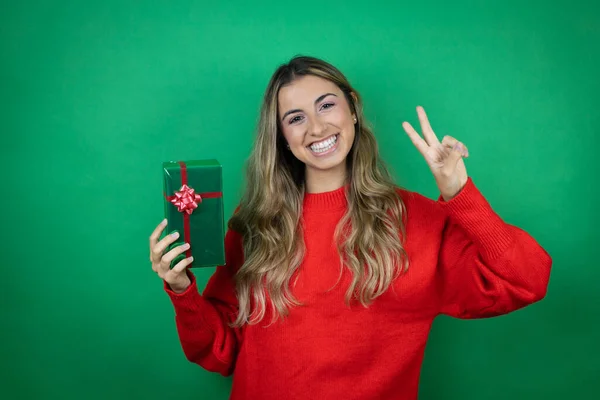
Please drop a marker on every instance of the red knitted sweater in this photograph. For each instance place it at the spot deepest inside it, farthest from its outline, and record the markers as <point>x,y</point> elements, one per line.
<point>465,261</point>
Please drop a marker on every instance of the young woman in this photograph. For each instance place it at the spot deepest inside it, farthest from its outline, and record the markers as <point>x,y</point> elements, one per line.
<point>333,274</point>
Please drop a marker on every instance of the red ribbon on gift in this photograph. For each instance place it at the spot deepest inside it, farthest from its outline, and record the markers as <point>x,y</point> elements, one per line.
<point>186,200</point>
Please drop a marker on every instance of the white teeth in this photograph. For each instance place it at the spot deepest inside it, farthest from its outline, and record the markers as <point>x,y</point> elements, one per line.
<point>325,145</point>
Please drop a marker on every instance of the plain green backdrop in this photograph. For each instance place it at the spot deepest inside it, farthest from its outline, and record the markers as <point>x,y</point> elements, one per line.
<point>95,95</point>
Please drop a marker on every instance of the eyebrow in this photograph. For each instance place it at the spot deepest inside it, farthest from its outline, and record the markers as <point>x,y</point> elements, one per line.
<point>316,101</point>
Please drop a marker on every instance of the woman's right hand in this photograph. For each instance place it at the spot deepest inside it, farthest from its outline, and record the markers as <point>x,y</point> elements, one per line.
<point>177,277</point>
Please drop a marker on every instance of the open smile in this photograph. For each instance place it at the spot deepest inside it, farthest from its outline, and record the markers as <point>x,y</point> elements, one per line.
<point>325,146</point>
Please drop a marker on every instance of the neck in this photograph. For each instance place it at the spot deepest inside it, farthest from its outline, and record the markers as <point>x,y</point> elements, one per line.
<point>319,181</point>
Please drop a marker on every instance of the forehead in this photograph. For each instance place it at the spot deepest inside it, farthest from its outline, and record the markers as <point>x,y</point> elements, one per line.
<point>303,91</point>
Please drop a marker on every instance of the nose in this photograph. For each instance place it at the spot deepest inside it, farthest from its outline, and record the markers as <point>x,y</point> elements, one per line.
<point>317,127</point>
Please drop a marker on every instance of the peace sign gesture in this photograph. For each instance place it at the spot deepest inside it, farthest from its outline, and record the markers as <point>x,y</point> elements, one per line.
<point>445,158</point>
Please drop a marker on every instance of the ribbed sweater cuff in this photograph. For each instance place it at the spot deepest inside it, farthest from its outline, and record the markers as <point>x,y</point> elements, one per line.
<point>470,210</point>
<point>190,306</point>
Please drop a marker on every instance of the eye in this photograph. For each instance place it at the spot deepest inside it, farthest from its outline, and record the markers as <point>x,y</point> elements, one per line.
<point>327,106</point>
<point>295,119</point>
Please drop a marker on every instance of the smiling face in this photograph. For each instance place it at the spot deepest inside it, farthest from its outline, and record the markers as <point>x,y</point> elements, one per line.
<point>318,125</point>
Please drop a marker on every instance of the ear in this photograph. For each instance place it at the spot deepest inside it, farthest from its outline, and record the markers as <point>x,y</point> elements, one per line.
<point>354,101</point>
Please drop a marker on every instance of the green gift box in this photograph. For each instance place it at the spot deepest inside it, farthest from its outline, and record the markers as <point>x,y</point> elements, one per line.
<point>193,192</point>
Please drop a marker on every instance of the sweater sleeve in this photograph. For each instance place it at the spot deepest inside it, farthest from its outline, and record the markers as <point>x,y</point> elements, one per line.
<point>488,267</point>
<point>202,320</point>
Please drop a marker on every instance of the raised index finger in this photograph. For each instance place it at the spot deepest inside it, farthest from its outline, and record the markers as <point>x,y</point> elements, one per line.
<point>417,140</point>
<point>157,232</point>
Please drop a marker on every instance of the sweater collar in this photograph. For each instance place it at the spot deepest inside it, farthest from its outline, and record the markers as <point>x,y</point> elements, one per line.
<point>326,201</point>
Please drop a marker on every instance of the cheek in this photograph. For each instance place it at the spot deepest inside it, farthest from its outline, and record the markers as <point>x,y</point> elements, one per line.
<point>293,135</point>
<point>340,117</point>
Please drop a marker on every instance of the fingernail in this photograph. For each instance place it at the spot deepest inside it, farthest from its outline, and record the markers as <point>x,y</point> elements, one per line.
<point>175,234</point>
<point>164,221</point>
<point>186,246</point>
<point>191,258</point>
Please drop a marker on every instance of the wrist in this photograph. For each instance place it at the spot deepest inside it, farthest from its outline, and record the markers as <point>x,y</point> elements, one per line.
<point>182,285</point>
<point>453,190</point>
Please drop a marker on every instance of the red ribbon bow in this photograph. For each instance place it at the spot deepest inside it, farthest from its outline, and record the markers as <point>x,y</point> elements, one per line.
<point>186,200</point>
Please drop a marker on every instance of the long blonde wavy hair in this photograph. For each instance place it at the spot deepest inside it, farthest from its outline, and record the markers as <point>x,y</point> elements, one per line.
<point>369,235</point>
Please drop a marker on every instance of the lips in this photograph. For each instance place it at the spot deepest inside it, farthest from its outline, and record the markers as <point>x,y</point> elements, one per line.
<point>324,146</point>
<point>323,143</point>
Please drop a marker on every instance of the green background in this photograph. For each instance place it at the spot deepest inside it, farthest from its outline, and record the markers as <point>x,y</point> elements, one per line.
<point>94,96</point>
